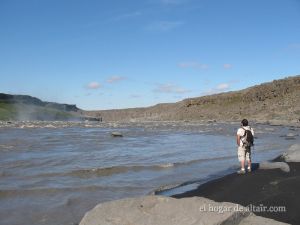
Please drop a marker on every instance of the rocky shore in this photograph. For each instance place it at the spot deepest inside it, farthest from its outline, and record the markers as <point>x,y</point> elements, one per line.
<point>274,185</point>
<point>268,195</point>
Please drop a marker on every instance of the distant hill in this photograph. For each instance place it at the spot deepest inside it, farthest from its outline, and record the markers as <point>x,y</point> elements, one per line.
<point>274,101</point>
<point>24,107</point>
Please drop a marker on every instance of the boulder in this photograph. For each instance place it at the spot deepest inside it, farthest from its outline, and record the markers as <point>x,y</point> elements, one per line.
<point>154,210</point>
<point>292,154</point>
<point>255,220</point>
<point>116,134</point>
<point>275,165</point>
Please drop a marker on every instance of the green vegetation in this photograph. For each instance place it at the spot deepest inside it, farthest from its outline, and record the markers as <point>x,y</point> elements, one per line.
<point>11,111</point>
<point>43,113</point>
<point>26,108</point>
<point>7,111</point>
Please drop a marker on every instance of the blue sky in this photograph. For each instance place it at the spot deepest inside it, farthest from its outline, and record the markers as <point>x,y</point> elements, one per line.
<point>104,54</point>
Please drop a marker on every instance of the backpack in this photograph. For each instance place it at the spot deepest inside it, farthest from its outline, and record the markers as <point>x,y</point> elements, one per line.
<point>248,139</point>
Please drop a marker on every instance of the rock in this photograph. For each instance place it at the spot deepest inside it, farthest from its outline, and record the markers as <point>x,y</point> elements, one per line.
<point>254,220</point>
<point>155,210</point>
<point>116,134</point>
<point>292,154</point>
<point>275,165</point>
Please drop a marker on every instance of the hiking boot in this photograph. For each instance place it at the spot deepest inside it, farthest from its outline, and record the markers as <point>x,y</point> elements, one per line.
<point>249,169</point>
<point>241,171</point>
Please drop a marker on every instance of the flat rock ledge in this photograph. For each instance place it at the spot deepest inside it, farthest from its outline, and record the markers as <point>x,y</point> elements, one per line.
<point>283,166</point>
<point>161,210</point>
<point>292,154</point>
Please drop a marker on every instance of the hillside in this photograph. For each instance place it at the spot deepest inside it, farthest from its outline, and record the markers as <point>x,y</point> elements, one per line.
<point>24,107</point>
<point>273,101</point>
<point>276,101</point>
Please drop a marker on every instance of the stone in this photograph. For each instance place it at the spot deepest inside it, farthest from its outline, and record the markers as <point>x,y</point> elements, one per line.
<point>154,210</point>
<point>292,154</point>
<point>116,134</point>
<point>275,165</point>
<point>254,220</point>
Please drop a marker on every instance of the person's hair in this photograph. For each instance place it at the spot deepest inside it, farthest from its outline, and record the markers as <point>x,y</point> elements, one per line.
<point>244,122</point>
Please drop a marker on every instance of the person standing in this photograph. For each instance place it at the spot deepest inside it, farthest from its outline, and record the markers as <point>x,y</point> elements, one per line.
<point>244,140</point>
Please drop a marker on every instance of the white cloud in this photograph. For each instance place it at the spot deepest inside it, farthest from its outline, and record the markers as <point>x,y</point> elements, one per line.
<point>192,64</point>
<point>164,25</point>
<point>170,88</point>
<point>227,66</point>
<point>218,89</point>
<point>93,85</point>
<point>222,87</point>
<point>114,79</point>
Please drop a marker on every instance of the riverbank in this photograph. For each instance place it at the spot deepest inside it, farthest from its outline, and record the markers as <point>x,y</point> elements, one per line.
<point>268,195</point>
<point>267,188</point>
